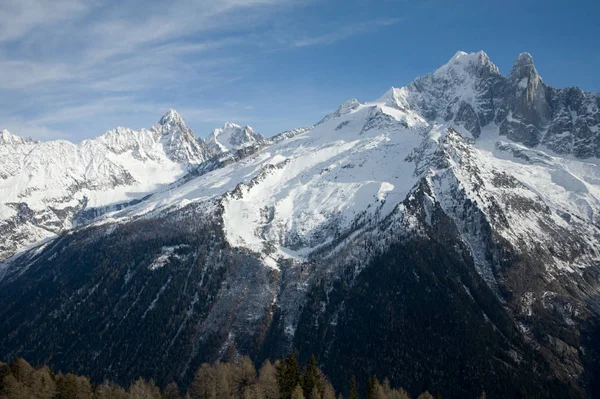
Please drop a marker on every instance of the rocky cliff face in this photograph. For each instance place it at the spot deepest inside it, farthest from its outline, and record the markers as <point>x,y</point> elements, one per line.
<point>435,236</point>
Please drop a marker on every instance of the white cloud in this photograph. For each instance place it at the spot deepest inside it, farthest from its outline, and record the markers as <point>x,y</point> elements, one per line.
<point>67,60</point>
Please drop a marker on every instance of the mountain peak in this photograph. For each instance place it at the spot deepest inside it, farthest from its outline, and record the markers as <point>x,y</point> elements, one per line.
<point>524,67</point>
<point>467,62</point>
<point>390,96</point>
<point>8,138</point>
<point>524,59</point>
<point>345,108</point>
<point>231,125</point>
<point>232,137</point>
<point>458,55</point>
<point>171,117</point>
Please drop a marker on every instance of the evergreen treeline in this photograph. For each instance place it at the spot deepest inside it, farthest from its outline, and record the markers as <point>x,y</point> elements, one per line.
<point>284,379</point>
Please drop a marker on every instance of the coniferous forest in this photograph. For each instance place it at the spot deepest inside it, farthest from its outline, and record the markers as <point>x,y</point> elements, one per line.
<point>284,379</point>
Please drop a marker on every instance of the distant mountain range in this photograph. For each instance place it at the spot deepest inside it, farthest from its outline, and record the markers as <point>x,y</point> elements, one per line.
<point>44,185</point>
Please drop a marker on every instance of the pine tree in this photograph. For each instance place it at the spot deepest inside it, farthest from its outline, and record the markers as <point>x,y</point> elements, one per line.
<point>372,385</point>
<point>288,376</point>
<point>353,394</point>
<point>311,380</point>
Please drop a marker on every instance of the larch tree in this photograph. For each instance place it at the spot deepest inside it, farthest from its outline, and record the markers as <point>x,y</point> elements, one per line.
<point>142,389</point>
<point>42,384</point>
<point>267,381</point>
<point>297,393</point>
<point>224,381</point>
<point>425,395</point>
<point>204,384</point>
<point>171,391</point>
<point>244,375</point>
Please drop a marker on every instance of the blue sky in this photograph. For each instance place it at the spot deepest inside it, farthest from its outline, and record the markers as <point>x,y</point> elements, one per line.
<point>75,68</point>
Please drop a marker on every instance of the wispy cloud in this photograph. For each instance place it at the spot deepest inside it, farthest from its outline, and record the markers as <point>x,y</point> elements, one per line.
<point>22,17</point>
<point>343,32</point>
<point>64,61</point>
<point>60,59</point>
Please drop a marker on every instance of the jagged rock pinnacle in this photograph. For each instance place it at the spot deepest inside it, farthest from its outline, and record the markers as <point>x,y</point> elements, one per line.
<point>524,67</point>
<point>171,116</point>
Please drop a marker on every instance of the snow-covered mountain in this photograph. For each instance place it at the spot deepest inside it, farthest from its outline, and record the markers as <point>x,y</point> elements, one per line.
<point>44,185</point>
<point>7,138</point>
<point>170,138</point>
<point>447,231</point>
<point>469,90</point>
<point>233,137</point>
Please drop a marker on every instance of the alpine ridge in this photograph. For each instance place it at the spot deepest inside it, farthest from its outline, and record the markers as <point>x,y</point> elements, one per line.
<point>8,138</point>
<point>49,187</point>
<point>444,235</point>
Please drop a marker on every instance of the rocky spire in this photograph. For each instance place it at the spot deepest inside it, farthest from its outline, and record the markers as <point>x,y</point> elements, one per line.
<point>171,117</point>
<point>524,68</point>
<point>179,141</point>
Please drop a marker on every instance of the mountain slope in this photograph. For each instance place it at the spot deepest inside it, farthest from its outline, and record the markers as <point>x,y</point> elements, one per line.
<point>436,236</point>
